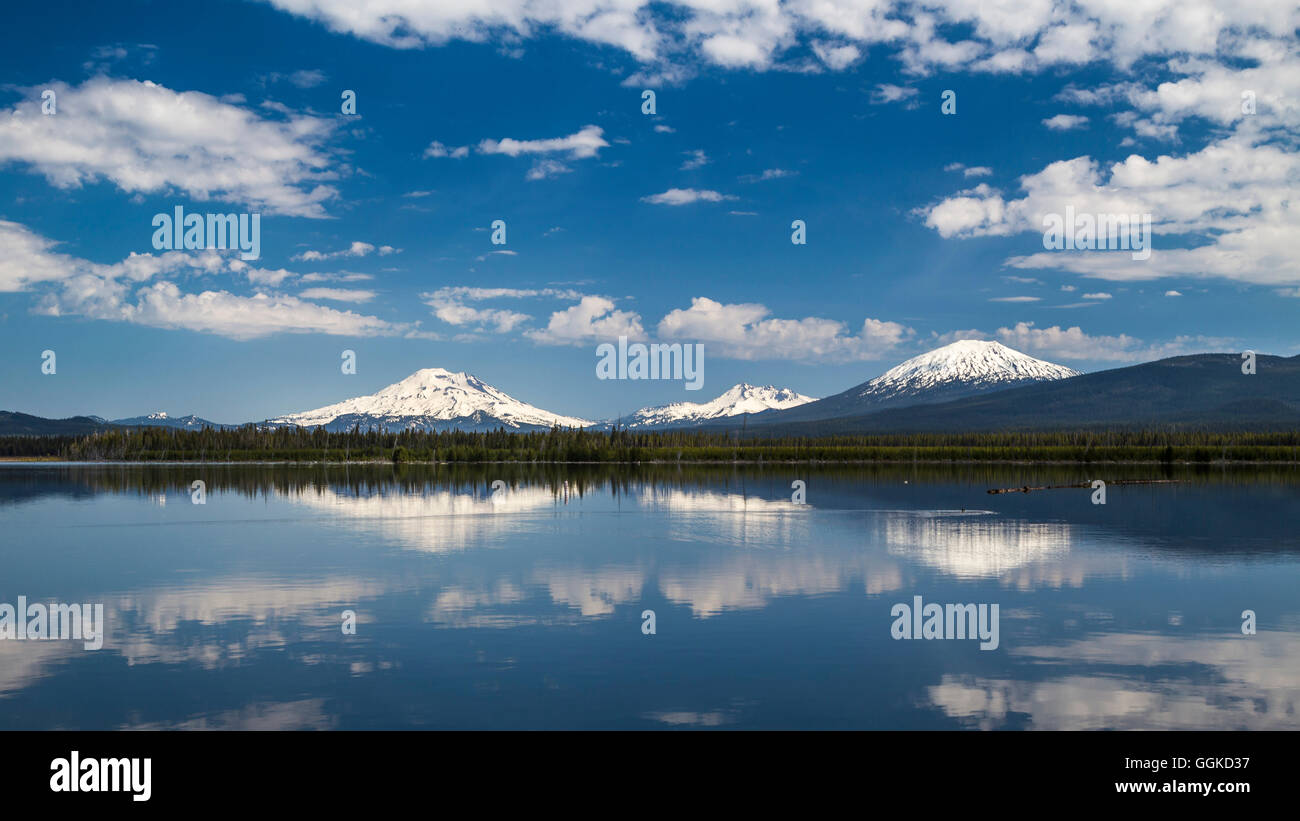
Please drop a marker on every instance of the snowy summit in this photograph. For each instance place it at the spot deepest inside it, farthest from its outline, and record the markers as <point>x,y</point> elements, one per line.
<point>742,398</point>
<point>971,365</point>
<point>432,399</point>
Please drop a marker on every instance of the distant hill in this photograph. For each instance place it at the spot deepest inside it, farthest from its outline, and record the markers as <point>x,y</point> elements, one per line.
<point>162,420</point>
<point>13,423</point>
<point>1198,391</point>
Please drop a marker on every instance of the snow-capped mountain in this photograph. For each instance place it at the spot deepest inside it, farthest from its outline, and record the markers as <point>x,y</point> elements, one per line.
<point>742,398</point>
<point>432,399</point>
<point>963,368</point>
<point>162,420</point>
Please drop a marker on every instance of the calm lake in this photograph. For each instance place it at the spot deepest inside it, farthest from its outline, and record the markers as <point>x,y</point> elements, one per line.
<point>522,607</point>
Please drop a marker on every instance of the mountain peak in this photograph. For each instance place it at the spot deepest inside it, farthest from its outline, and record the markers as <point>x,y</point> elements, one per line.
<point>958,369</point>
<point>975,364</point>
<point>432,399</point>
<point>736,400</point>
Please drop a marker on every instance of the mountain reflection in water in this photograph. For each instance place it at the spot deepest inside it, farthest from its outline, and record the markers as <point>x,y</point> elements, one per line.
<point>521,607</point>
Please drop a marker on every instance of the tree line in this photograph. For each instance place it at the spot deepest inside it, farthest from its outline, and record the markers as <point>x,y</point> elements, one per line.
<point>295,444</point>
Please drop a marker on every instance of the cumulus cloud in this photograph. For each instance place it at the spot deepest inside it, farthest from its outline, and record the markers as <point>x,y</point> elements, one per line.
<point>27,258</point>
<point>740,331</point>
<point>1076,345</point>
<point>123,292</point>
<point>836,57</point>
<point>1235,196</point>
<point>666,38</point>
<point>746,331</point>
<point>593,318</point>
<point>450,304</point>
<point>163,305</point>
<point>145,138</point>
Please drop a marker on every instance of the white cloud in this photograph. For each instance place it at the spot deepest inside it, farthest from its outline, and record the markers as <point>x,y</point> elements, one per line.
<point>27,258</point>
<point>695,159</point>
<point>836,57</point>
<point>685,196</point>
<point>1065,122</point>
<point>745,331</point>
<point>437,149</point>
<point>121,292</point>
<point>547,168</point>
<point>1015,299</point>
<point>1098,295</point>
<point>1235,195</point>
<point>886,93</point>
<point>1072,43</point>
<point>145,138</point>
<point>262,276</point>
<point>303,78</point>
<point>338,294</point>
<point>356,249</point>
<point>340,276</point>
<point>582,144</point>
<point>768,174</point>
<point>1074,344</point>
<point>449,305</point>
<point>667,38</point>
<point>503,252</point>
<point>593,318</point>
<point>975,212</point>
<point>163,305</point>
<point>1173,293</point>
<point>969,171</point>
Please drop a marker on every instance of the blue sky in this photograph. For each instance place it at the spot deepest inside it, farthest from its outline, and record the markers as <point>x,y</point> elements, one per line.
<point>921,227</point>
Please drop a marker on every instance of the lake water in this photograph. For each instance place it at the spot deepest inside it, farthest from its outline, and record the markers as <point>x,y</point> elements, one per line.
<point>523,607</point>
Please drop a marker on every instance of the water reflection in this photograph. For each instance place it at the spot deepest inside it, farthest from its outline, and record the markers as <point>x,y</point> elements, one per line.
<point>520,605</point>
<point>1188,682</point>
